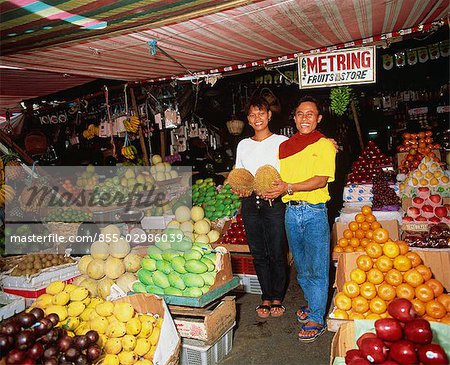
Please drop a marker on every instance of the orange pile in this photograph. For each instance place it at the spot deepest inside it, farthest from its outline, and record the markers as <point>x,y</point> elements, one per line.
<point>362,231</point>
<point>387,271</point>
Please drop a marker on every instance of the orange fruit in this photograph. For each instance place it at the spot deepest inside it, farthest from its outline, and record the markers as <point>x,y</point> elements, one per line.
<point>374,225</point>
<point>433,308</point>
<point>374,250</point>
<point>355,315</point>
<point>436,286</point>
<point>348,234</point>
<point>419,306</point>
<point>360,218</point>
<point>386,291</point>
<point>405,291</point>
<point>360,304</point>
<point>354,242</point>
<point>424,271</point>
<point>368,290</point>
<point>385,315</point>
<point>373,316</point>
<point>338,249</point>
<point>380,235</point>
<point>343,242</point>
<point>340,314</point>
<point>391,249</point>
<point>404,247</point>
<point>394,277</point>
<point>358,276</point>
<point>369,234</point>
<point>413,278</point>
<point>364,262</point>
<point>360,249</point>
<point>351,289</point>
<point>370,218</point>
<point>364,241</point>
<point>444,299</point>
<point>365,226</point>
<point>414,257</point>
<point>342,301</point>
<point>360,233</point>
<point>366,210</point>
<point>375,276</point>
<point>402,263</point>
<point>424,293</point>
<point>348,249</point>
<point>384,263</point>
<point>377,305</point>
<point>353,226</point>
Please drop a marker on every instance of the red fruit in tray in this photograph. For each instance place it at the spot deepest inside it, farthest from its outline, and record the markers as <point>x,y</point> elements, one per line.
<point>389,329</point>
<point>418,202</point>
<point>352,355</point>
<point>424,192</point>
<point>427,211</point>
<point>432,354</point>
<point>407,220</point>
<point>403,352</point>
<point>413,212</point>
<point>418,331</point>
<point>374,350</point>
<point>239,218</point>
<point>434,220</point>
<point>402,309</point>
<point>363,337</point>
<point>233,226</point>
<point>440,211</point>
<point>435,199</point>
<point>421,219</point>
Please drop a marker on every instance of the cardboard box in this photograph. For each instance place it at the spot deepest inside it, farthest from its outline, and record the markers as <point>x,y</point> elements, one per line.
<point>169,343</point>
<point>400,156</point>
<point>205,324</point>
<point>438,261</point>
<point>339,228</point>
<point>343,340</point>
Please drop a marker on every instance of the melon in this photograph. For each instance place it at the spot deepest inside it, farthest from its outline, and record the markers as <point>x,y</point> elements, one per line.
<point>83,263</point>
<point>202,238</point>
<point>111,230</point>
<point>160,167</point>
<point>173,224</point>
<point>187,226</point>
<point>182,214</point>
<point>201,227</point>
<point>96,269</point>
<point>100,250</point>
<point>132,262</point>
<point>167,166</point>
<point>125,282</point>
<point>197,213</point>
<point>119,248</point>
<point>160,176</point>
<point>114,267</point>
<point>173,174</point>
<point>213,235</point>
<point>156,159</point>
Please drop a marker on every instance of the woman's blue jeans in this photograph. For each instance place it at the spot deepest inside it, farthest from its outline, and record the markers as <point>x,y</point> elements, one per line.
<point>308,235</point>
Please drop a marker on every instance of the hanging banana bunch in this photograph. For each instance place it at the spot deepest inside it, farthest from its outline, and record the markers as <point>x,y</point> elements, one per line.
<point>91,131</point>
<point>129,151</point>
<point>132,124</point>
<point>340,98</point>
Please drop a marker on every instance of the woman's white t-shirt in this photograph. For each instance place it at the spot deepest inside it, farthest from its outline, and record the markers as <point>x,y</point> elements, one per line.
<point>251,154</point>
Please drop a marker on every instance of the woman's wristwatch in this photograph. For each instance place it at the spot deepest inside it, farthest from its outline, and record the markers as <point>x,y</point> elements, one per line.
<point>289,189</point>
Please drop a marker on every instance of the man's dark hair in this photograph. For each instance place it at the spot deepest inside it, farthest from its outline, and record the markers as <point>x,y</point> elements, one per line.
<point>308,98</point>
<point>259,102</point>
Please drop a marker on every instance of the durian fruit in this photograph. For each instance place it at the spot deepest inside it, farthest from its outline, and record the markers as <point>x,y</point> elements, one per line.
<point>264,178</point>
<point>241,180</point>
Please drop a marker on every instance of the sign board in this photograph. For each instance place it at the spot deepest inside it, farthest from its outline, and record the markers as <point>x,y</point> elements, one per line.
<point>346,67</point>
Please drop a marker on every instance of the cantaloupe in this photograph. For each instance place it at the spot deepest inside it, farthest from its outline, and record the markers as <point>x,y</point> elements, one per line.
<point>132,262</point>
<point>156,159</point>
<point>96,269</point>
<point>100,250</point>
<point>84,262</point>
<point>182,214</point>
<point>114,267</point>
<point>201,227</point>
<point>197,213</point>
<point>119,248</point>
<point>111,230</point>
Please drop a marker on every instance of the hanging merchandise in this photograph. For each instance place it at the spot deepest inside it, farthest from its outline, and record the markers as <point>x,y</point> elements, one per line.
<point>234,125</point>
<point>108,114</point>
<point>193,129</point>
<point>128,151</point>
<point>340,98</point>
<point>172,117</point>
<point>434,51</point>
<point>412,56</point>
<point>91,131</point>
<point>444,48</point>
<point>131,124</point>
<point>400,59</point>
<point>119,125</point>
<point>423,54</point>
<point>388,61</point>
<point>203,133</point>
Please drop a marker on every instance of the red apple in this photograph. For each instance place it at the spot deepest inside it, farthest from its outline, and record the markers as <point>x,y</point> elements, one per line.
<point>413,212</point>
<point>418,202</point>
<point>388,329</point>
<point>407,220</point>
<point>402,309</point>
<point>432,354</point>
<point>352,355</point>
<point>440,211</point>
<point>363,337</point>
<point>418,331</point>
<point>427,211</point>
<point>403,352</point>
<point>435,199</point>
<point>374,350</point>
<point>434,220</point>
<point>421,219</point>
<point>424,192</point>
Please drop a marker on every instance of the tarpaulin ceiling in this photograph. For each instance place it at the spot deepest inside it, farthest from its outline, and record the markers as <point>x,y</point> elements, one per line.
<point>209,37</point>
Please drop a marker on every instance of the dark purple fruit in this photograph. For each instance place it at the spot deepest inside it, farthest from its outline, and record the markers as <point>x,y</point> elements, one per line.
<point>11,328</point>
<point>43,326</point>
<point>72,353</point>
<point>93,352</point>
<point>64,343</point>
<point>54,318</point>
<point>63,360</point>
<point>50,352</point>
<point>51,361</point>
<point>36,351</point>
<point>28,361</point>
<point>26,320</point>
<point>80,342</point>
<point>6,342</point>
<point>82,360</point>
<point>25,339</point>
<point>16,357</point>
<point>51,336</point>
<point>38,313</point>
<point>92,336</point>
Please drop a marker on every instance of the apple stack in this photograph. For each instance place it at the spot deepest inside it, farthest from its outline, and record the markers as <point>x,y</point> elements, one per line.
<point>402,339</point>
<point>235,234</point>
<point>427,208</point>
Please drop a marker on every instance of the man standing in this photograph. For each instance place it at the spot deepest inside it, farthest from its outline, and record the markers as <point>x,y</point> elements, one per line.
<point>307,165</point>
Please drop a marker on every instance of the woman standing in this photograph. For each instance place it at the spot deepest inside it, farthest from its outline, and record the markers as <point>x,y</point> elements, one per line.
<point>264,223</point>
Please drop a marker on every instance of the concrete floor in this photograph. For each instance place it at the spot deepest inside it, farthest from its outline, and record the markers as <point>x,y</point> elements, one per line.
<point>273,341</point>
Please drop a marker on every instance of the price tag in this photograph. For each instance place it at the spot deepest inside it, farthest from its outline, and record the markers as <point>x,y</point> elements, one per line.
<point>443,109</point>
<point>417,111</point>
<point>115,293</point>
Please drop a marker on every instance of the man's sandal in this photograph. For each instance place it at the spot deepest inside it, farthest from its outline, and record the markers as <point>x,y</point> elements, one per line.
<point>320,331</point>
<point>263,311</point>
<point>302,314</point>
<point>274,313</point>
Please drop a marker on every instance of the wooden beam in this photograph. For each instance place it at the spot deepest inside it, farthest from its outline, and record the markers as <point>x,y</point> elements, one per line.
<point>141,135</point>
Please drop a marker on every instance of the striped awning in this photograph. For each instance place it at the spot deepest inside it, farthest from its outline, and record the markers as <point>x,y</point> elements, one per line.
<point>192,36</point>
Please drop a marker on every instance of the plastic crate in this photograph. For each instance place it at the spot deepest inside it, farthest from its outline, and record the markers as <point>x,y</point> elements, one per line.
<point>242,264</point>
<point>249,283</point>
<point>195,353</point>
<point>12,304</point>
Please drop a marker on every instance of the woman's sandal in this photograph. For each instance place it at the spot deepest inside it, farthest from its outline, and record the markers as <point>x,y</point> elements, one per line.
<point>263,311</point>
<point>275,313</point>
<point>320,331</point>
<point>302,314</point>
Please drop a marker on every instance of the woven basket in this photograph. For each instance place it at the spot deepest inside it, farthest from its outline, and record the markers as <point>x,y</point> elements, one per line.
<point>64,229</point>
<point>235,126</point>
<point>36,143</point>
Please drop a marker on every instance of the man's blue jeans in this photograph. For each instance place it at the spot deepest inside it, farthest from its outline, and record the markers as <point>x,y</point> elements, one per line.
<point>308,234</point>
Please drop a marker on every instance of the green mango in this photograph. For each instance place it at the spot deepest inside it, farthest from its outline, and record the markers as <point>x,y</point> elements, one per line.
<point>195,266</point>
<point>160,279</point>
<point>193,280</point>
<point>145,276</point>
<point>208,263</point>
<point>208,278</point>
<point>192,255</point>
<point>154,252</point>
<point>168,255</point>
<point>173,291</point>
<point>153,289</point>
<point>163,266</point>
<point>178,264</point>
<point>176,281</point>
<point>139,288</point>
<point>192,292</point>
<point>205,289</point>
<point>148,263</point>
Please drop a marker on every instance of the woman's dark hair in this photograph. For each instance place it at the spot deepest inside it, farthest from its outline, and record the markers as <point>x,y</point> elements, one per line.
<point>310,99</point>
<point>259,102</point>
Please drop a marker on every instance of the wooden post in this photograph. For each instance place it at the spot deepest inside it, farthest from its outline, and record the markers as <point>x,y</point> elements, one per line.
<point>141,135</point>
<point>358,128</point>
<point>162,139</point>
